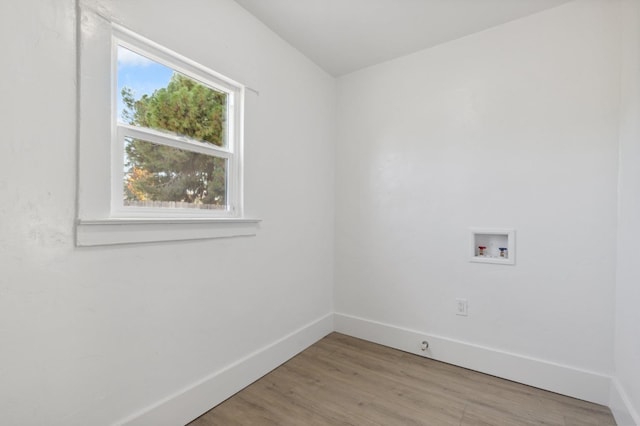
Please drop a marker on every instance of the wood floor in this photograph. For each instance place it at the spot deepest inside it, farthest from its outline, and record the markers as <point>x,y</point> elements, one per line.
<point>346,381</point>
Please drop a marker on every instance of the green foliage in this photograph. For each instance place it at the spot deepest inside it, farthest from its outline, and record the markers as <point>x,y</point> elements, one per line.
<point>160,173</point>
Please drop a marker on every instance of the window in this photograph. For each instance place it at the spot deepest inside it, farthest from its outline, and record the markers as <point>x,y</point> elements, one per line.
<point>176,138</point>
<point>164,161</point>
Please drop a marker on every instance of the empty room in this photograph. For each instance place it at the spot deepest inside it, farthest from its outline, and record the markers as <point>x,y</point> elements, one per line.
<point>320,212</point>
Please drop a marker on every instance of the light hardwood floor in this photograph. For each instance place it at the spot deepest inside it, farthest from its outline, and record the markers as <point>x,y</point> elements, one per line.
<point>342,380</point>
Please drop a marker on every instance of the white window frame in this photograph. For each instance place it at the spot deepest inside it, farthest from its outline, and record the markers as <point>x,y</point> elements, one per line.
<point>232,152</point>
<point>102,217</point>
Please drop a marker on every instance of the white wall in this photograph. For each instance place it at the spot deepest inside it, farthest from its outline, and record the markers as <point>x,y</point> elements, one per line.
<point>627,332</point>
<point>91,336</point>
<point>512,127</point>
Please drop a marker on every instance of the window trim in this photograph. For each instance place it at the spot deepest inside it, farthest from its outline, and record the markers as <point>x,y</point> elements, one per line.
<point>97,222</point>
<point>115,231</point>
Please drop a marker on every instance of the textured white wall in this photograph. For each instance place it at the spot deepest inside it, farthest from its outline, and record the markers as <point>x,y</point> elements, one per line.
<point>89,336</point>
<point>627,348</point>
<point>512,127</point>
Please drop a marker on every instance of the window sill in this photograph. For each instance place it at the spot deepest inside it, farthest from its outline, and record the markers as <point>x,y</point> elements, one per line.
<point>133,231</point>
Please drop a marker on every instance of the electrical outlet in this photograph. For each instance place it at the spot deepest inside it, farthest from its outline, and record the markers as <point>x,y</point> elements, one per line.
<point>462,307</point>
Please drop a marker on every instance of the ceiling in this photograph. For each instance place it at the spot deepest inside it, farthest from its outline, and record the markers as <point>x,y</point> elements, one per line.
<point>342,36</point>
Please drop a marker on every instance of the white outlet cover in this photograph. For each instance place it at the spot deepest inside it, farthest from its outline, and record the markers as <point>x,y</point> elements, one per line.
<point>462,307</point>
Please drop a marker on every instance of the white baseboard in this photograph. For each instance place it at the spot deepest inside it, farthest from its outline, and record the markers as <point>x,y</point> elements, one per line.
<point>187,404</point>
<point>196,399</point>
<point>621,406</point>
<point>563,379</point>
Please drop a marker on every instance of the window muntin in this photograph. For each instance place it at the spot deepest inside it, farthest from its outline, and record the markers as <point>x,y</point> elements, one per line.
<point>176,125</point>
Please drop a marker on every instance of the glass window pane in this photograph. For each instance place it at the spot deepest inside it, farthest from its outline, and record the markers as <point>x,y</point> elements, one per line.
<point>155,96</point>
<point>162,176</point>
